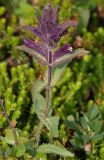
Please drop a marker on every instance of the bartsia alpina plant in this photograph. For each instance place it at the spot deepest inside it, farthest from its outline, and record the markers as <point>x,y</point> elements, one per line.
<point>56,59</point>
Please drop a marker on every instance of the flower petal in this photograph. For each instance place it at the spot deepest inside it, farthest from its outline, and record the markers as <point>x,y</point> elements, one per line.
<point>65,49</point>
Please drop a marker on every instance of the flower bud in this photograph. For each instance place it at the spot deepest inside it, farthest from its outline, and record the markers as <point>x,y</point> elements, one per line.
<point>87,147</point>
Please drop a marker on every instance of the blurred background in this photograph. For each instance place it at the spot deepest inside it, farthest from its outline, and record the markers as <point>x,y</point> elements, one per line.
<point>83,82</point>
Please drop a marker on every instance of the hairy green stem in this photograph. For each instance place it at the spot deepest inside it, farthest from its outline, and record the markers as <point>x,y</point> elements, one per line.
<point>48,102</point>
<point>48,92</point>
<point>37,134</point>
<point>48,98</point>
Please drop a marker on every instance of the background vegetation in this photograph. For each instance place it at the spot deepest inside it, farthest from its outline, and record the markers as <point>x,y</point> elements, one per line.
<point>83,82</point>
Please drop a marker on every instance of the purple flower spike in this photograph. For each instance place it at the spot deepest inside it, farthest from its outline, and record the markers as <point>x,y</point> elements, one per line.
<point>50,33</point>
<point>65,49</point>
<point>48,29</point>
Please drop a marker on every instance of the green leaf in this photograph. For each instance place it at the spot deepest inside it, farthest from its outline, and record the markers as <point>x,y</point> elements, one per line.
<point>38,99</point>
<point>71,123</point>
<point>19,150</point>
<point>41,156</point>
<point>9,137</point>
<point>57,73</point>
<point>70,118</point>
<point>30,148</point>
<point>85,138</point>
<point>33,53</point>
<point>9,134</point>
<point>39,104</point>
<point>91,5</point>
<point>97,137</point>
<point>52,125</point>
<point>51,148</point>
<point>96,125</point>
<point>93,112</point>
<point>22,140</point>
<point>8,141</point>
<point>84,18</point>
<point>83,123</point>
<point>69,57</point>
<point>77,141</point>
<point>38,86</point>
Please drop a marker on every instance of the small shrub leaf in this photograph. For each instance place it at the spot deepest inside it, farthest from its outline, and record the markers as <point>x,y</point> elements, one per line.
<point>83,123</point>
<point>97,137</point>
<point>19,150</point>
<point>93,112</point>
<point>8,141</point>
<point>52,125</point>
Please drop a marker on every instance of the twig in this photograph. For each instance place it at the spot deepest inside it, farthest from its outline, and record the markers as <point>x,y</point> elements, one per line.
<point>11,127</point>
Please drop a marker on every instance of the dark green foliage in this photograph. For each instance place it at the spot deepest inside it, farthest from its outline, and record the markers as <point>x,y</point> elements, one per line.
<point>88,130</point>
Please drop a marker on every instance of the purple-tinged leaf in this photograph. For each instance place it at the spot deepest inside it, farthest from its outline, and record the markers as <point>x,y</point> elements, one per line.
<point>50,14</point>
<point>67,24</point>
<point>54,15</point>
<point>68,57</point>
<point>61,30</point>
<point>33,53</point>
<point>65,49</point>
<point>35,30</point>
<point>64,27</point>
<point>39,47</point>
